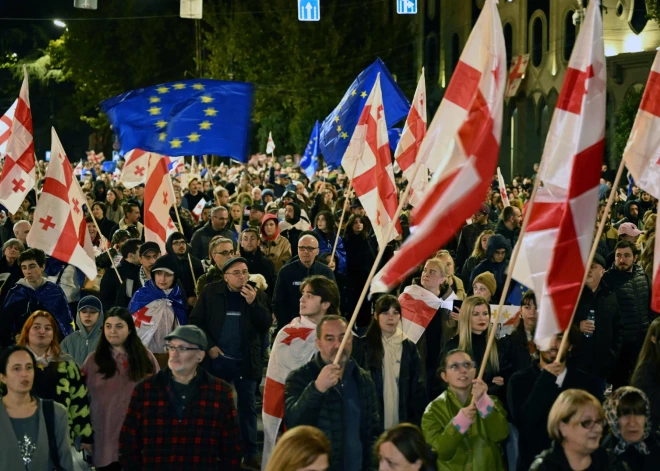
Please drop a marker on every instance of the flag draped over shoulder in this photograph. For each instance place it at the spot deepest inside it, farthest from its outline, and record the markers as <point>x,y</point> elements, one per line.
<point>461,147</point>
<point>310,159</point>
<point>293,347</point>
<point>59,227</point>
<point>192,117</point>
<point>337,129</point>
<point>418,307</point>
<point>556,245</point>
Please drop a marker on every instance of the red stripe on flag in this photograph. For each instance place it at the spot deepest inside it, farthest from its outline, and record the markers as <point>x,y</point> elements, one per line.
<point>655,298</point>
<point>545,216</point>
<point>67,242</point>
<point>586,169</point>
<point>416,310</point>
<point>23,115</point>
<point>150,193</point>
<point>274,398</point>
<point>56,188</point>
<point>574,89</point>
<point>417,127</point>
<point>651,99</point>
<point>463,85</point>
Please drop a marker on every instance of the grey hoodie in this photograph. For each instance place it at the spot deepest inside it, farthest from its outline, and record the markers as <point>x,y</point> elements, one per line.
<point>80,344</point>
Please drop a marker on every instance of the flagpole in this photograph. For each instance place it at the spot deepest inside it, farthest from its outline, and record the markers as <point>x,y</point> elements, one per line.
<point>402,202</point>
<point>105,249</point>
<point>509,276</point>
<point>594,247</point>
<point>178,218</point>
<point>343,212</point>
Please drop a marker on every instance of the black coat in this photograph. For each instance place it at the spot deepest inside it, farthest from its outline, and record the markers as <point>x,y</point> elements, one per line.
<point>360,256</point>
<point>649,382</point>
<point>201,239</point>
<point>258,263</point>
<point>106,226</point>
<point>554,459</point>
<point>115,293</point>
<point>466,240</point>
<point>306,405</point>
<point>510,235</point>
<point>185,275</point>
<point>631,459</point>
<point>598,354</point>
<point>516,346</point>
<point>530,394</point>
<point>412,388</point>
<point>209,315</point>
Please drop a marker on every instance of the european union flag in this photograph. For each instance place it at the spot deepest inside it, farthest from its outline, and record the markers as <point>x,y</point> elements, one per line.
<point>394,136</point>
<point>338,127</point>
<point>516,294</point>
<point>191,117</point>
<point>310,159</point>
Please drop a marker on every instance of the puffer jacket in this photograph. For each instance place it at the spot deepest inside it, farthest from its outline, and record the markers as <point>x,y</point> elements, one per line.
<point>80,343</point>
<point>277,249</point>
<point>498,269</point>
<point>306,405</point>
<point>633,293</point>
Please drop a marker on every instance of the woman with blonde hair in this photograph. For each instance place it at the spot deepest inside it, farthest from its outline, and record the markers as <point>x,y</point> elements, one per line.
<point>575,425</point>
<point>478,254</point>
<point>303,448</point>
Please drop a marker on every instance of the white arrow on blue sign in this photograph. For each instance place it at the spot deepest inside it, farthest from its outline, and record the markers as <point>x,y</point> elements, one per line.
<point>309,10</point>
<point>406,7</point>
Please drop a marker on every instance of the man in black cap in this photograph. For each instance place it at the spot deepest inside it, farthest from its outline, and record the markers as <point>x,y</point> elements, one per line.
<point>234,316</point>
<point>149,253</point>
<point>196,426</point>
<point>470,233</point>
<point>190,268</point>
<point>357,208</point>
<point>599,321</point>
<point>217,226</point>
<point>257,213</point>
<point>119,293</point>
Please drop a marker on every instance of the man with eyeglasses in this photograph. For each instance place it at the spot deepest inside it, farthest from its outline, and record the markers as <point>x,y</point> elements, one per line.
<point>186,415</point>
<point>221,249</point>
<point>217,226</point>
<point>234,315</point>
<point>287,287</point>
<point>177,249</point>
<point>533,390</point>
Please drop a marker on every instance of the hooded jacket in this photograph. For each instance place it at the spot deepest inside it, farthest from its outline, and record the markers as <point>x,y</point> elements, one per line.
<point>291,229</point>
<point>184,275</point>
<point>498,269</point>
<point>627,217</point>
<point>80,343</point>
<point>277,249</point>
<point>510,235</point>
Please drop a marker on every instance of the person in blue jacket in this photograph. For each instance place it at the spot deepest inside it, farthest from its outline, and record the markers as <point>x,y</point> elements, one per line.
<point>325,229</point>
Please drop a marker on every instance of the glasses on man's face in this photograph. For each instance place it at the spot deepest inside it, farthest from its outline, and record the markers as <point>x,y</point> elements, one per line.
<point>179,242</point>
<point>466,365</point>
<point>172,348</point>
<point>239,273</point>
<point>307,249</point>
<point>591,423</point>
<point>224,253</point>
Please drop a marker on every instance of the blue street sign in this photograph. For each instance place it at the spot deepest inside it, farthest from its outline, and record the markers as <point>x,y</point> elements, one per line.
<point>309,10</point>
<point>406,7</point>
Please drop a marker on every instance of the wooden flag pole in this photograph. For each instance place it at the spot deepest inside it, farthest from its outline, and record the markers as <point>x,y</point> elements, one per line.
<point>594,247</point>
<point>343,212</point>
<point>105,249</point>
<point>402,202</point>
<point>509,275</point>
<point>178,218</point>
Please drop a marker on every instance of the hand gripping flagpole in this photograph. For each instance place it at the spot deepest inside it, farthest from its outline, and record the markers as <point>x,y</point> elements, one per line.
<point>594,247</point>
<point>402,202</point>
<point>105,248</point>
<point>343,211</point>
<point>509,275</point>
<point>178,218</point>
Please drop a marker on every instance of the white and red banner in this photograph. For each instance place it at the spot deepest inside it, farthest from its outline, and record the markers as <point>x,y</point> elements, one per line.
<point>503,193</point>
<point>197,210</point>
<point>78,170</point>
<point>410,142</point>
<point>18,171</point>
<point>418,307</point>
<point>516,74</point>
<point>642,156</point>
<point>270,145</point>
<point>158,199</point>
<point>373,175</point>
<point>59,227</point>
<point>176,165</point>
<point>461,147</point>
<point>5,127</point>
<point>134,171</point>
<point>94,157</point>
<point>556,245</point>
<point>293,347</point>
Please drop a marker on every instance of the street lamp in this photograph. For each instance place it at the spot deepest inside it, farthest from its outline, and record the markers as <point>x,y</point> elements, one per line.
<point>59,23</point>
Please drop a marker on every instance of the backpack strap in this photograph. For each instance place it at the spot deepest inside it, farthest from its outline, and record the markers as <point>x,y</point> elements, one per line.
<point>49,418</point>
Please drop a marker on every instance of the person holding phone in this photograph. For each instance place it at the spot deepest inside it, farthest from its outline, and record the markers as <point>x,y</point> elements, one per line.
<point>234,316</point>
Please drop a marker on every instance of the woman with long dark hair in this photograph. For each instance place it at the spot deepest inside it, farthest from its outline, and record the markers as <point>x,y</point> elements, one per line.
<point>403,448</point>
<point>325,229</point>
<point>478,255</point>
<point>520,344</point>
<point>394,364</point>
<point>113,210</point>
<point>647,373</point>
<point>361,252</point>
<point>118,364</point>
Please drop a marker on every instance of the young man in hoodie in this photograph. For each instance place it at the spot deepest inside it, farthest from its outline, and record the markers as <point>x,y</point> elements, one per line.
<point>32,293</point>
<point>89,320</point>
<point>177,251</point>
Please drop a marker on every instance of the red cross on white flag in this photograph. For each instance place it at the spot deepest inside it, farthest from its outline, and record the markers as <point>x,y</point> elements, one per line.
<point>503,194</point>
<point>642,156</point>
<point>559,234</point>
<point>59,227</point>
<point>18,172</point>
<point>270,145</point>
<point>516,74</point>
<point>410,142</point>
<point>368,161</point>
<point>158,199</point>
<point>5,127</point>
<point>461,147</point>
<point>134,171</point>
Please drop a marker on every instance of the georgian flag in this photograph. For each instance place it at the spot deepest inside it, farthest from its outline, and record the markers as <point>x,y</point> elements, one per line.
<point>197,210</point>
<point>418,307</point>
<point>5,127</point>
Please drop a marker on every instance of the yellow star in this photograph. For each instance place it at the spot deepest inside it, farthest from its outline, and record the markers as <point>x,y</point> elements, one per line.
<point>193,137</point>
<point>363,94</point>
<point>206,99</point>
<point>353,93</point>
<point>210,112</point>
<point>162,136</point>
<point>314,138</point>
<point>154,110</point>
<point>339,108</point>
<point>344,135</point>
<point>162,90</point>
<point>176,142</point>
<point>198,86</point>
<point>311,142</point>
<point>205,125</point>
<point>161,124</point>
<point>179,86</point>
<point>154,99</point>
<point>336,119</point>
<point>338,128</point>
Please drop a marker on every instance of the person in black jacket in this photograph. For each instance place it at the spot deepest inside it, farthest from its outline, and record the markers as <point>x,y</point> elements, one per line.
<point>234,315</point>
<point>177,248</point>
<point>360,256</point>
<point>394,364</point>
<point>598,348</point>
<point>256,261</point>
<point>292,233</point>
<point>217,226</point>
<point>520,346</point>
<point>532,392</point>
<point>509,225</point>
<point>105,224</point>
<point>119,293</point>
<point>340,400</point>
<point>470,233</point>
<point>633,293</point>
<point>647,372</point>
<point>496,262</point>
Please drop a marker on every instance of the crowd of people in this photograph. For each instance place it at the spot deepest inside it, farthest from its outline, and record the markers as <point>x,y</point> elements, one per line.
<point>159,362</point>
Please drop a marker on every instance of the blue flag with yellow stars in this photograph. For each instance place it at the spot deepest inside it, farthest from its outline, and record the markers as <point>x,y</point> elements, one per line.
<point>310,159</point>
<point>516,294</point>
<point>394,135</point>
<point>191,117</point>
<point>338,127</point>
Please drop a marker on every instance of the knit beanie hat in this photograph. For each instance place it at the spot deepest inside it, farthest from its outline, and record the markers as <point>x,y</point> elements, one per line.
<point>488,280</point>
